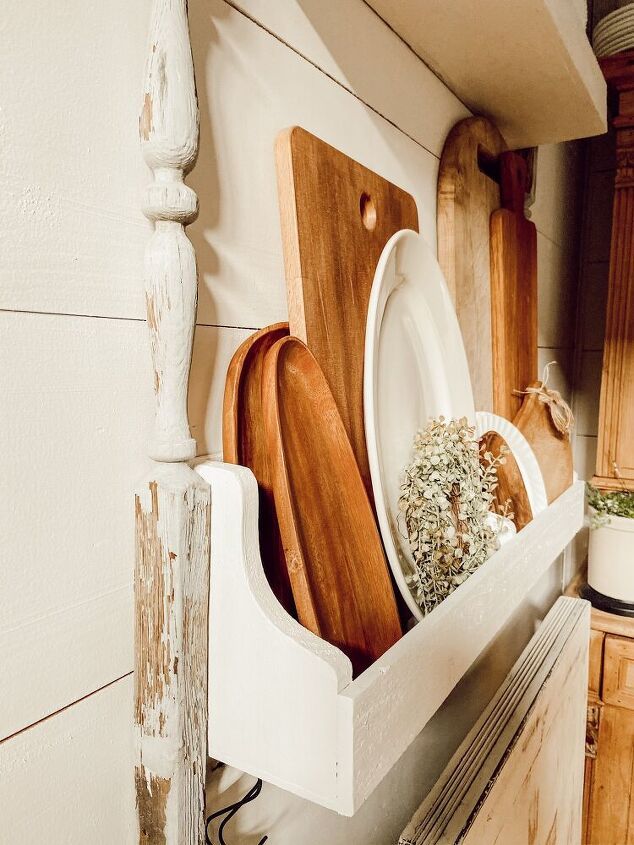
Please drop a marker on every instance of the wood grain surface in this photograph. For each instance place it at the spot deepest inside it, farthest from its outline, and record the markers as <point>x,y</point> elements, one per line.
<point>337,568</point>
<point>552,449</point>
<point>513,289</point>
<point>244,442</point>
<point>468,193</point>
<point>517,778</point>
<point>510,491</point>
<point>336,217</point>
<point>615,448</point>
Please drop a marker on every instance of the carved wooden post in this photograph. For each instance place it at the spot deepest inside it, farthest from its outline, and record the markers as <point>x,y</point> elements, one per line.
<point>615,453</point>
<point>173,505</point>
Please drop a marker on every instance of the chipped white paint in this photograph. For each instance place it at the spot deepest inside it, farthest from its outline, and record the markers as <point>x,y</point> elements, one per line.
<point>329,738</point>
<point>168,127</point>
<point>173,505</point>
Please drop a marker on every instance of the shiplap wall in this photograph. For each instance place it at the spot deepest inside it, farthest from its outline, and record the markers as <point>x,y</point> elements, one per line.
<point>74,364</point>
<point>593,292</point>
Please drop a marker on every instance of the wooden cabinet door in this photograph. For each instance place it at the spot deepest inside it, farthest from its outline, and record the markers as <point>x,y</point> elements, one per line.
<point>611,814</point>
<point>618,672</point>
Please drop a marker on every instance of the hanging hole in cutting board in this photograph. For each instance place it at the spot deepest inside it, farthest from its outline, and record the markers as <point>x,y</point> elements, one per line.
<point>368,211</point>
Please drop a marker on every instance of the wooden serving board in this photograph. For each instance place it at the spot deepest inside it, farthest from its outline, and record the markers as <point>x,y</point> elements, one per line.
<point>244,443</point>
<point>468,193</point>
<point>513,290</point>
<point>552,449</point>
<point>336,217</point>
<point>337,568</point>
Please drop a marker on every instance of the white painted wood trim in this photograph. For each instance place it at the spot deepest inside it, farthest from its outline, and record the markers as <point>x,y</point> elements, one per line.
<point>285,707</point>
<point>172,506</point>
<point>168,128</point>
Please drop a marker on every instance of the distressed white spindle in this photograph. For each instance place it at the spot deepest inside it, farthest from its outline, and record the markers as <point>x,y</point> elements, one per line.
<point>173,505</point>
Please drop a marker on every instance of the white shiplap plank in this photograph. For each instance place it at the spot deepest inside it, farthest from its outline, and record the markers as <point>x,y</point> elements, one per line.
<point>76,410</point>
<point>556,293</point>
<point>351,43</point>
<point>71,175</point>
<point>588,389</point>
<point>63,655</point>
<point>77,234</point>
<point>557,193</point>
<point>250,87</point>
<point>69,779</point>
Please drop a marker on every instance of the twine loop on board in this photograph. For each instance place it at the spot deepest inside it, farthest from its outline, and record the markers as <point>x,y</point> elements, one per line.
<point>560,413</point>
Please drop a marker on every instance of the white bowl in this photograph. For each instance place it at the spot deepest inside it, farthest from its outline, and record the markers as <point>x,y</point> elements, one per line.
<point>612,49</point>
<point>613,19</point>
<point>614,31</point>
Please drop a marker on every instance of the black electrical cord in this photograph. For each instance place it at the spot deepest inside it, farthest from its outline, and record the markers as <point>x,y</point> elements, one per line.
<point>230,811</point>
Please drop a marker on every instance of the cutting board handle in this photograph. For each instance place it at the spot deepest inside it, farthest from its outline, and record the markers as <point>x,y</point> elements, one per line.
<point>513,181</point>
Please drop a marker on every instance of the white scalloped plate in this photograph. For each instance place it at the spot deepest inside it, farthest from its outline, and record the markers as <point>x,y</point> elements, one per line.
<point>415,369</point>
<point>523,454</point>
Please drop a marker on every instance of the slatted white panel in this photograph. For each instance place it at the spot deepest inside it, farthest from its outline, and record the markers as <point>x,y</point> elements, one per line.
<point>75,412</point>
<point>70,174</point>
<point>69,779</point>
<point>350,43</point>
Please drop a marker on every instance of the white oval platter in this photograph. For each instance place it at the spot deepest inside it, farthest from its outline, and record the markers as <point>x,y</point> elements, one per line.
<point>415,369</point>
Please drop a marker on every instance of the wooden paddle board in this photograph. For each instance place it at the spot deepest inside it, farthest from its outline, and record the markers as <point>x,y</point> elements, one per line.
<point>336,217</point>
<point>244,443</point>
<point>513,290</point>
<point>337,568</point>
<point>468,193</point>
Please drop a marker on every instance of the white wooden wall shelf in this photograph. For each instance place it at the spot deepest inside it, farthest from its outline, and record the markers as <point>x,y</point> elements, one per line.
<point>282,702</point>
<point>530,69</point>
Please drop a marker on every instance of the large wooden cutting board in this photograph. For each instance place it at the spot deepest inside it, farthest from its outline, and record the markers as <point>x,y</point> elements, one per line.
<point>337,568</point>
<point>244,443</point>
<point>513,290</point>
<point>468,193</point>
<point>336,218</point>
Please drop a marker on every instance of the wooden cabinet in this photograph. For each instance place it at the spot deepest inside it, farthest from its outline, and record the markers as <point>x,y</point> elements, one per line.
<point>608,817</point>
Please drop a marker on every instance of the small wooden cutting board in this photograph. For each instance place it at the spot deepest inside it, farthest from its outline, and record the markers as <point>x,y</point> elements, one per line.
<point>553,450</point>
<point>513,289</point>
<point>336,217</point>
<point>338,572</point>
<point>244,442</point>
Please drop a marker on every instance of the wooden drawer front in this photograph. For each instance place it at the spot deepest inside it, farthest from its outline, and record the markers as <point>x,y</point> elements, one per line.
<point>610,820</point>
<point>595,662</point>
<point>618,672</point>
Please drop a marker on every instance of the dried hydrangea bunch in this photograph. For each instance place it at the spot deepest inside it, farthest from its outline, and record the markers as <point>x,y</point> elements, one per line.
<point>446,496</point>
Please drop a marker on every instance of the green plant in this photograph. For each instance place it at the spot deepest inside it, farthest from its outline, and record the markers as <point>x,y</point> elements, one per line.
<point>606,505</point>
<point>445,500</point>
